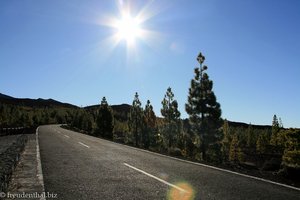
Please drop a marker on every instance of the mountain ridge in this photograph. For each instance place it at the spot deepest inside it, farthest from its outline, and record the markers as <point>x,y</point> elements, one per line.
<point>33,102</point>
<point>117,108</point>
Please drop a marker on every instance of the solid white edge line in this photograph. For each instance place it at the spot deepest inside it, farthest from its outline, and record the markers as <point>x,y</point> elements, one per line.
<point>39,164</point>
<point>156,178</point>
<point>84,144</point>
<point>200,164</point>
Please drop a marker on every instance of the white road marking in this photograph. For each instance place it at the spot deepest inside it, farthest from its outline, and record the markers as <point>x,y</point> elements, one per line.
<point>39,164</point>
<point>203,165</point>
<point>67,136</point>
<point>156,178</point>
<point>216,168</point>
<point>84,145</point>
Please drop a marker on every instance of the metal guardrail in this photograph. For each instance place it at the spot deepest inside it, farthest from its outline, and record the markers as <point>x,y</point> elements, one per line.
<point>16,130</point>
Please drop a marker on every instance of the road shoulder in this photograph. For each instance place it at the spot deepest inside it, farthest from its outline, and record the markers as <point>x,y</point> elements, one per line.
<point>25,178</point>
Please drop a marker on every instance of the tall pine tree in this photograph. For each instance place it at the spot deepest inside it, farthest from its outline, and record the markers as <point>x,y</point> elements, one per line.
<point>171,115</point>
<point>105,120</point>
<point>149,126</point>
<point>275,130</point>
<point>135,119</point>
<point>203,109</point>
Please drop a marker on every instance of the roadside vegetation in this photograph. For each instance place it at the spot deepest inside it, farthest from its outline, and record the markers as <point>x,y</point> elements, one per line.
<point>204,136</point>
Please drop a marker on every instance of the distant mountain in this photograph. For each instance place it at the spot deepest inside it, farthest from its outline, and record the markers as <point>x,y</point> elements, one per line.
<point>3,96</point>
<point>116,108</point>
<point>244,125</point>
<point>38,103</point>
<point>121,111</point>
<point>121,108</point>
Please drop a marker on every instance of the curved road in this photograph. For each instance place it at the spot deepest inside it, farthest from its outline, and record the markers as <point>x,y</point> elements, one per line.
<point>78,166</point>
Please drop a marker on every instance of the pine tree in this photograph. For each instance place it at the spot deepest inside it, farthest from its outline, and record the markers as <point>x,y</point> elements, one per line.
<point>291,154</point>
<point>203,109</point>
<point>275,130</point>
<point>135,119</point>
<point>105,120</point>
<point>171,115</point>
<point>149,126</point>
<point>275,124</point>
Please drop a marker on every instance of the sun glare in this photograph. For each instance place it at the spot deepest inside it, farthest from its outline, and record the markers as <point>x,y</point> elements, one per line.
<point>128,29</point>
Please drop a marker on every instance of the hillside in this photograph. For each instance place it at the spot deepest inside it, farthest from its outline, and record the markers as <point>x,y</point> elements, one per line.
<point>245,125</point>
<point>35,103</point>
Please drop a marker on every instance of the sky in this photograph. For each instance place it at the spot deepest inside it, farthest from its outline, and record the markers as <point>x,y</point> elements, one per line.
<point>76,52</point>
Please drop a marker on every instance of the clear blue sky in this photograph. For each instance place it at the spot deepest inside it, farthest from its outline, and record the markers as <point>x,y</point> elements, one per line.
<point>60,49</point>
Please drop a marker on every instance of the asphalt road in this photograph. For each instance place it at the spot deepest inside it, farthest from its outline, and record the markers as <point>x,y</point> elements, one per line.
<point>78,166</point>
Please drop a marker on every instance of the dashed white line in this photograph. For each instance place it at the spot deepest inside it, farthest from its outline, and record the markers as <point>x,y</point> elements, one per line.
<point>84,144</point>
<point>67,136</point>
<point>156,178</point>
<point>204,165</point>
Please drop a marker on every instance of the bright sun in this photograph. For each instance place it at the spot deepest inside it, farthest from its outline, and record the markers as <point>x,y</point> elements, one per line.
<point>128,29</point>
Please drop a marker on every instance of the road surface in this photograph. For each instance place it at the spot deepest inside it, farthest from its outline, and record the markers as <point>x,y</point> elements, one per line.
<point>78,166</point>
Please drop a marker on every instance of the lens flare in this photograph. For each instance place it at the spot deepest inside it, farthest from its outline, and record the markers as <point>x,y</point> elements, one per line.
<point>176,194</point>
